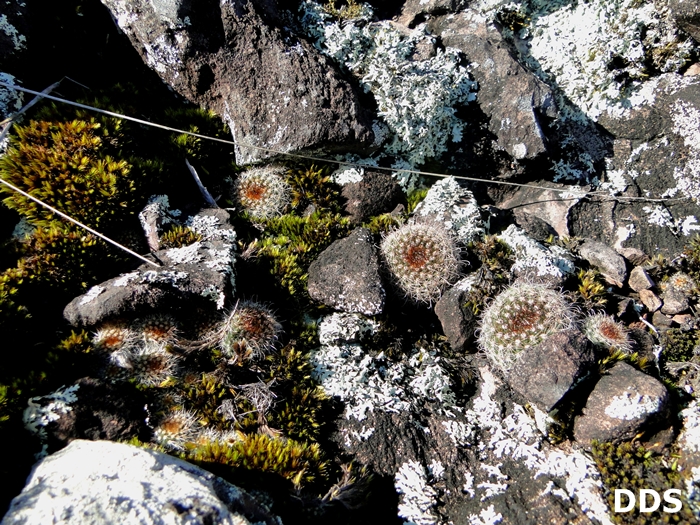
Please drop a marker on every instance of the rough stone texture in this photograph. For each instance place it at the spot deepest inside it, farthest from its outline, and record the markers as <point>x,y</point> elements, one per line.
<point>675,301</point>
<point>545,373</point>
<point>199,273</point>
<point>654,155</point>
<point>13,35</point>
<point>102,411</point>
<point>533,226</point>
<point>272,88</point>
<point>687,16</point>
<point>623,402</point>
<point>345,276</point>
<point>639,279</point>
<point>650,300</point>
<point>98,482</point>
<point>458,322</point>
<point>546,205</point>
<point>414,11</point>
<point>611,265</point>
<point>661,321</point>
<point>377,193</point>
<point>512,98</point>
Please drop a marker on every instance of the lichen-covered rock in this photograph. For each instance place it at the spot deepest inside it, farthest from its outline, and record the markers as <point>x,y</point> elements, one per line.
<point>513,99</point>
<point>97,482</point>
<point>201,273</point>
<point>272,88</point>
<point>377,193</point>
<point>611,265</point>
<point>623,403</point>
<point>345,276</point>
<point>545,373</point>
<point>90,410</point>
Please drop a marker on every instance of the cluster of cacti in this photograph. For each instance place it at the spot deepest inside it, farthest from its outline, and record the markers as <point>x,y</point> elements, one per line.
<point>262,193</point>
<point>423,260</point>
<point>522,316</point>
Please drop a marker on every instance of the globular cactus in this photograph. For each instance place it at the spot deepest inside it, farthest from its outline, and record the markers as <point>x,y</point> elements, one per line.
<point>522,316</point>
<point>423,259</point>
<point>603,330</point>
<point>176,429</point>
<point>249,332</point>
<point>262,192</point>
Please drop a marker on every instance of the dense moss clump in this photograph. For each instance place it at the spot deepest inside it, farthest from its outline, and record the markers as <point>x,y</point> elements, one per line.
<point>630,466</point>
<point>680,345</point>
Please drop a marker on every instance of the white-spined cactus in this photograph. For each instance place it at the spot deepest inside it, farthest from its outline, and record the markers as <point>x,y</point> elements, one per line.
<point>423,260</point>
<point>522,316</point>
<point>262,192</point>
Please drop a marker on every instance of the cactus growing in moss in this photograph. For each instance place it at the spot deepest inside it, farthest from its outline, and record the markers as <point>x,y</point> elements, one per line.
<point>423,260</point>
<point>603,330</point>
<point>522,316</point>
<point>249,332</point>
<point>176,429</point>
<point>262,192</point>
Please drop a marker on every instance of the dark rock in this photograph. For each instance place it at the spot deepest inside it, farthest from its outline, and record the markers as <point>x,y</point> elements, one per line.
<point>687,16</point>
<point>661,321</point>
<point>201,274</point>
<point>273,89</point>
<point>639,279</point>
<point>458,322</point>
<point>377,193</point>
<point>512,98</point>
<point>345,276</point>
<point>643,343</point>
<point>13,36</point>
<point>103,482</point>
<point>623,403</point>
<point>102,411</point>
<point>611,265</point>
<point>545,373</point>
<point>414,11</point>
<point>533,226</point>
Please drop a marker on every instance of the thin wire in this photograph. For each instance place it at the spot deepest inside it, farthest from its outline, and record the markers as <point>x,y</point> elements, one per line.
<point>576,194</point>
<point>96,233</point>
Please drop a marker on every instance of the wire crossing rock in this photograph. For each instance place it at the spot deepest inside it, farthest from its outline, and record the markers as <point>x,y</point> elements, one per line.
<point>98,482</point>
<point>273,89</point>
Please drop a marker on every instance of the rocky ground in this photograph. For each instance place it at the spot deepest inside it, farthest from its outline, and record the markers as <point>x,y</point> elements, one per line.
<point>447,273</point>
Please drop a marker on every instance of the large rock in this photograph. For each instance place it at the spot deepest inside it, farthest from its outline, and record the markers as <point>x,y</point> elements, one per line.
<point>457,319</point>
<point>272,88</point>
<point>345,276</point>
<point>199,274</point>
<point>687,16</point>
<point>655,155</point>
<point>377,193</point>
<point>545,373</point>
<point>623,403</point>
<point>100,482</point>
<point>611,265</point>
<point>512,98</point>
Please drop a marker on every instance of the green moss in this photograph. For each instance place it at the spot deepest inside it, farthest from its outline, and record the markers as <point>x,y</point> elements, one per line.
<point>494,260</point>
<point>302,464</point>
<point>179,236</point>
<point>630,466</point>
<point>384,223</point>
<point>589,290</point>
<point>679,345</point>
<point>415,198</point>
<point>344,9</point>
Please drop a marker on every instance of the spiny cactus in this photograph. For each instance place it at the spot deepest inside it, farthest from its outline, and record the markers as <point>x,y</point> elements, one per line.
<point>262,192</point>
<point>603,330</point>
<point>176,429</point>
<point>522,316</point>
<point>249,332</point>
<point>423,259</point>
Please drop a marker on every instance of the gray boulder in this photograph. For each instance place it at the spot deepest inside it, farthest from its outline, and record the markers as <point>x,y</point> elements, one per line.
<point>345,276</point>
<point>512,98</point>
<point>458,321</point>
<point>611,265</point>
<point>272,88</point>
<point>201,273</point>
<point>545,373</point>
<point>98,482</point>
<point>687,16</point>
<point>624,402</point>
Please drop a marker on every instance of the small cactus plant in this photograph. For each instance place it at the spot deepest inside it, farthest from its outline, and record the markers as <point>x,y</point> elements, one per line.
<point>522,316</point>
<point>603,330</point>
<point>249,332</point>
<point>263,192</point>
<point>423,259</point>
